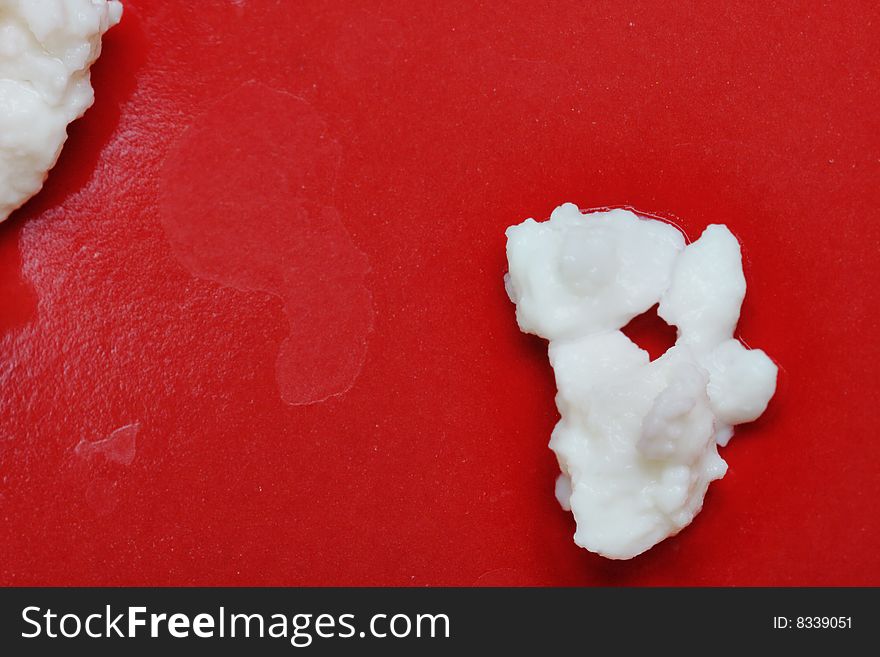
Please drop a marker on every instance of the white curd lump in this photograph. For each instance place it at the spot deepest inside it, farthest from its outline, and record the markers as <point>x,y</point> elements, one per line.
<point>46,49</point>
<point>637,440</point>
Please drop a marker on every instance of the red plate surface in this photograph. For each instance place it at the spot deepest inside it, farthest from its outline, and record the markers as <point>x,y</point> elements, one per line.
<point>254,329</point>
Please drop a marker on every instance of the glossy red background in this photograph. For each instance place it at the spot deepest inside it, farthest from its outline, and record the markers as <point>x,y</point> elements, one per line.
<point>452,121</point>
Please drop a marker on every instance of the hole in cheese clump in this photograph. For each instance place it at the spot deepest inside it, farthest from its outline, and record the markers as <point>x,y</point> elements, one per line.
<point>651,333</point>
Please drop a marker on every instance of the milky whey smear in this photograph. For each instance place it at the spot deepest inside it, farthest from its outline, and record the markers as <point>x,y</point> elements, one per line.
<point>46,50</point>
<point>637,440</point>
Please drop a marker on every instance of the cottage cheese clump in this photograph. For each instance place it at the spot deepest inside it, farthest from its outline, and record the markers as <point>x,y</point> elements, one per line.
<point>46,49</point>
<point>637,442</point>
